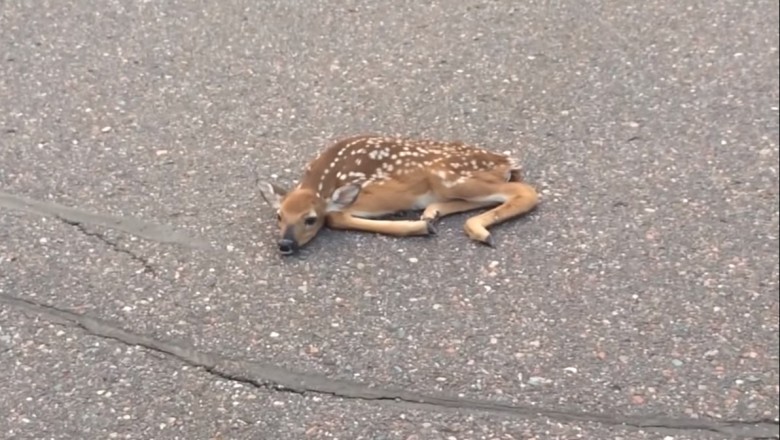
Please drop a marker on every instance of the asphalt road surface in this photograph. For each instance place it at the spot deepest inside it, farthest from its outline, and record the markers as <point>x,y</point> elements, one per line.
<point>141,295</point>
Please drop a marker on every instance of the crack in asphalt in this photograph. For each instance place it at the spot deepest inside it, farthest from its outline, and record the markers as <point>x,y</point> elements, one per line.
<point>129,225</point>
<point>282,380</point>
<point>147,267</point>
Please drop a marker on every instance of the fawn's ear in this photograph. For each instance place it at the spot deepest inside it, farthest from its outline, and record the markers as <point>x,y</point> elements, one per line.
<point>272,194</point>
<point>344,196</point>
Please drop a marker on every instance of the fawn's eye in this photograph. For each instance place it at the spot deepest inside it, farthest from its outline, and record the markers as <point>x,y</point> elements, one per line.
<point>278,217</point>
<point>310,221</point>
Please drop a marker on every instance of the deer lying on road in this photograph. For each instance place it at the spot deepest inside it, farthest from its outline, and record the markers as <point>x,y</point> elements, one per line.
<point>357,180</point>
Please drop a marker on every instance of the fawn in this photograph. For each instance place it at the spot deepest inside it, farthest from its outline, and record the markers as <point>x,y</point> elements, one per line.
<point>357,180</point>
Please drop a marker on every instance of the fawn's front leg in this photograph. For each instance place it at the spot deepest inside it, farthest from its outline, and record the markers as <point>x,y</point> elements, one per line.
<point>401,228</point>
<point>435,211</point>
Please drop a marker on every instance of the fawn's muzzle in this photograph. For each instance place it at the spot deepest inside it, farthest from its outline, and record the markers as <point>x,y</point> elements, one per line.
<point>287,246</point>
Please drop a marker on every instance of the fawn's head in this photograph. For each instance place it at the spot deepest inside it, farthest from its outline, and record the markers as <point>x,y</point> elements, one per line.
<point>301,212</point>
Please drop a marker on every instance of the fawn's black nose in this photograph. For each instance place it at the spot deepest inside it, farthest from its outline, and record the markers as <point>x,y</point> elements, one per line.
<point>287,246</point>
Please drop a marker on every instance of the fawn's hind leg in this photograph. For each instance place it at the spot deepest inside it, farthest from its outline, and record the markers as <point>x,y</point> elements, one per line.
<point>482,189</point>
<point>512,197</point>
<point>518,199</point>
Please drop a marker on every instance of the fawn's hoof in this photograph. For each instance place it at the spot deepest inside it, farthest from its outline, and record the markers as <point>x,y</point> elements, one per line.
<point>431,227</point>
<point>488,241</point>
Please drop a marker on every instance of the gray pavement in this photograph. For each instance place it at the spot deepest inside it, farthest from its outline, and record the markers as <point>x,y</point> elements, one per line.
<point>141,295</point>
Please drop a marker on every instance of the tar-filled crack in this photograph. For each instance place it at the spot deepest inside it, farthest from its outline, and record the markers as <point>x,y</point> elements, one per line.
<point>147,267</point>
<point>277,379</point>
